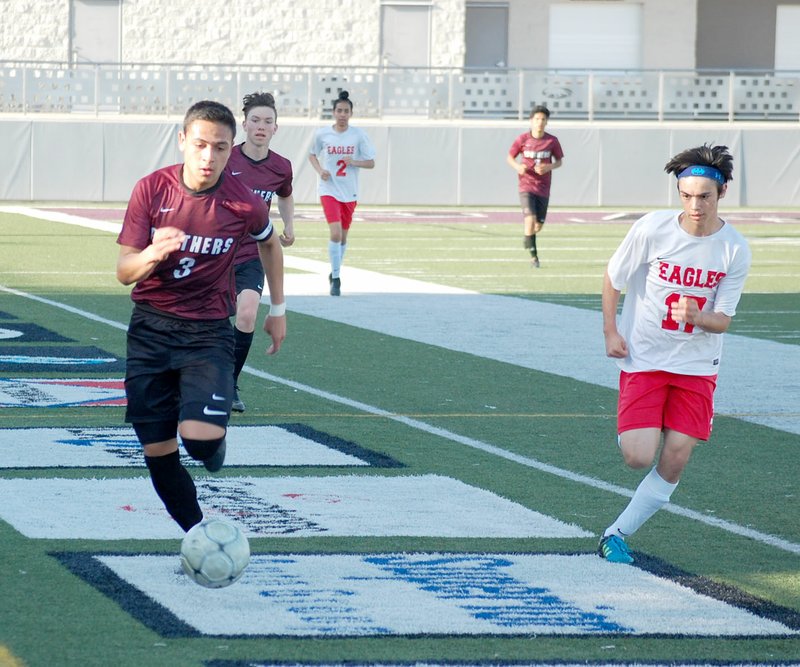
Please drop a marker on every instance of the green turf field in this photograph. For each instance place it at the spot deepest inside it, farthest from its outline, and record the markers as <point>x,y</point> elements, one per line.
<point>461,421</point>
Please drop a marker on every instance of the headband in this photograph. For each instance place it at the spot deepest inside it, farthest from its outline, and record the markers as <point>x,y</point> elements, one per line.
<point>705,171</point>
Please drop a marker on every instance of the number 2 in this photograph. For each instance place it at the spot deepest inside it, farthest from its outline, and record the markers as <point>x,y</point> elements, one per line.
<point>342,168</point>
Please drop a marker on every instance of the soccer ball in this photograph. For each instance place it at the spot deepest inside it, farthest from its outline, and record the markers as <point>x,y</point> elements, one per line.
<point>214,553</point>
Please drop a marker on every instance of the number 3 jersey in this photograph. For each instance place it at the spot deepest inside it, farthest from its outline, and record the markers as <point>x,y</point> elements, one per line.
<point>657,263</point>
<point>331,147</point>
<point>196,281</point>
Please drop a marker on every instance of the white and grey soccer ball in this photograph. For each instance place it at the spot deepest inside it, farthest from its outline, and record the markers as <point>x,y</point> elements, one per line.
<point>215,553</point>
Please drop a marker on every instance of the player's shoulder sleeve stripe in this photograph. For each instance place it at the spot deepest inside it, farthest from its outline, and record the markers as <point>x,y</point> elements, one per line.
<point>265,234</point>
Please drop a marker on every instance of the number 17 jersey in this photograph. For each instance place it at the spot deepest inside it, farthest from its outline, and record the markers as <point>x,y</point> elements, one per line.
<point>657,263</point>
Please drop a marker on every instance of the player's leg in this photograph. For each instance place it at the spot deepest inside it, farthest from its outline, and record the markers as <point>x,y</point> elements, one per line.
<point>687,408</point>
<point>639,422</point>
<point>206,390</point>
<point>528,223</point>
<point>540,213</point>
<point>249,287</point>
<point>331,209</point>
<point>346,209</point>
<point>152,393</point>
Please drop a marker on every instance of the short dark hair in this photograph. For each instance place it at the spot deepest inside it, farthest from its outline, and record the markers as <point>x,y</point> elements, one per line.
<point>706,155</point>
<point>344,96</point>
<point>540,108</point>
<point>211,111</point>
<point>258,100</point>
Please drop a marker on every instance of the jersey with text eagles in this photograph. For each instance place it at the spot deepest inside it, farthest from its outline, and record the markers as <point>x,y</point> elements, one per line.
<point>657,263</point>
<point>266,178</point>
<point>196,281</point>
<point>546,149</point>
<point>330,147</point>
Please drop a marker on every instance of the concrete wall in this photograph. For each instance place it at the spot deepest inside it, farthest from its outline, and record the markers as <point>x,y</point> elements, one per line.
<point>605,164</point>
<point>668,33</point>
<point>254,32</point>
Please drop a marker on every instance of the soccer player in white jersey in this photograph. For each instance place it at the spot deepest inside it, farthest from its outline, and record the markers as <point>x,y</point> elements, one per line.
<point>683,272</point>
<point>339,153</point>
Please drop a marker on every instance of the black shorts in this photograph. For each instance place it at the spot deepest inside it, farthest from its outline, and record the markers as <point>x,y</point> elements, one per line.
<point>534,205</point>
<point>178,369</point>
<point>250,275</point>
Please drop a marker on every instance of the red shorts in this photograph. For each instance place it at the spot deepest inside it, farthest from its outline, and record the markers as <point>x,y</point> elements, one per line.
<point>657,399</point>
<point>338,211</point>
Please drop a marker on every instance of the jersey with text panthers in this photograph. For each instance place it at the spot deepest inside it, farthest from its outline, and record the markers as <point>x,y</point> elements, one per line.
<point>196,281</point>
<point>266,178</point>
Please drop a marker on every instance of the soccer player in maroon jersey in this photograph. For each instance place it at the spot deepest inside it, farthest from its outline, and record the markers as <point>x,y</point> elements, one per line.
<point>269,175</point>
<point>541,154</point>
<point>177,244</point>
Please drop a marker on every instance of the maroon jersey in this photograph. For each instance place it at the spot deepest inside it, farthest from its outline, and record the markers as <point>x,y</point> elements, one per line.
<point>267,177</point>
<point>196,281</point>
<point>534,151</point>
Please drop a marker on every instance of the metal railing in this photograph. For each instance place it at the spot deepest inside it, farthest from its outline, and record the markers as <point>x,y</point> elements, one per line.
<point>434,94</point>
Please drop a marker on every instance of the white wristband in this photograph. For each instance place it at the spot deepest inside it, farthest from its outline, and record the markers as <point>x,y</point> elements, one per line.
<point>277,309</point>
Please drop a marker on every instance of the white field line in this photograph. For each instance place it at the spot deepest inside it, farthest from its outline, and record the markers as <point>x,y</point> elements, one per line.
<point>412,286</point>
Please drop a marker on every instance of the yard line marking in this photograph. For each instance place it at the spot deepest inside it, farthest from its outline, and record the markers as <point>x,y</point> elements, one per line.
<point>729,526</point>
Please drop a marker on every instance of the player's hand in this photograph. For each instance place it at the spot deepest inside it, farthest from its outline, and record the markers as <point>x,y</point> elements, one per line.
<point>686,310</point>
<point>287,238</point>
<point>276,329</point>
<point>616,346</point>
<point>324,174</point>
<point>165,241</point>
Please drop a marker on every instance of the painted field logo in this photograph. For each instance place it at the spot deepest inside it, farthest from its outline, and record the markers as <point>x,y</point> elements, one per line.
<point>77,447</point>
<point>47,393</point>
<point>352,595</point>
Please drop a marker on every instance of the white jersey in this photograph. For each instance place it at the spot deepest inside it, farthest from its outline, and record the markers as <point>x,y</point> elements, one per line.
<point>658,262</point>
<point>330,147</point>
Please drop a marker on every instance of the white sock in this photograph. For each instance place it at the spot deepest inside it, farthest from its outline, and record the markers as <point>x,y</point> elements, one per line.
<point>344,247</point>
<point>651,495</point>
<point>335,254</point>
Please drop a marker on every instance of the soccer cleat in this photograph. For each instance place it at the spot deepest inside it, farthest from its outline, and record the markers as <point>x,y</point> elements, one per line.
<point>214,462</point>
<point>535,263</point>
<point>614,550</point>
<point>336,286</point>
<point>238,403</point>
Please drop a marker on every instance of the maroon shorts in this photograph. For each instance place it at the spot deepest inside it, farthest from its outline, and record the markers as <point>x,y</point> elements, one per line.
<point>657,399</point>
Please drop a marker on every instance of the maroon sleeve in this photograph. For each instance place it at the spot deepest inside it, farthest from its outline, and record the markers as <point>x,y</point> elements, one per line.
<point>136,224</point>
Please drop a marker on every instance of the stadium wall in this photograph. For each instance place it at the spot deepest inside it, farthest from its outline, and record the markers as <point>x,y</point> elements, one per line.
<point>418,163</point>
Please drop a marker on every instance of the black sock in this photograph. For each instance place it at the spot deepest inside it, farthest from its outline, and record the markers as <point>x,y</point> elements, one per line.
<point>533,246</point>
<point>242,343</point>
<point>527,242</point>
<point>175,486</point>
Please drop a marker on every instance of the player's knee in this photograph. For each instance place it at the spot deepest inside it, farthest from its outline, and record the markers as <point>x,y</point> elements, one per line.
<point>200,450</point>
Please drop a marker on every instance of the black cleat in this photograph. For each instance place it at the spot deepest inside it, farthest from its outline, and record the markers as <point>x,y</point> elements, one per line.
<point>238,403</point>
<point>214,462</point>
<point>336,285</point>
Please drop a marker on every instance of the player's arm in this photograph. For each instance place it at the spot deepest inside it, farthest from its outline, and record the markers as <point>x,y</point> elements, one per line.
<point>271,255</point>
<point>615,344</point>
<point>515,164</point>
<point>687,310</point>
<point>361,164</point>
<point>286,210</point>
<point>324,174</point>
<point>136,264</point>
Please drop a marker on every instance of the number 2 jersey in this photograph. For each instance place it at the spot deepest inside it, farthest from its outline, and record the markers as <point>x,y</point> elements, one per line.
<point>657,263</point>
<point>331,147</point>
<point>196,281</point>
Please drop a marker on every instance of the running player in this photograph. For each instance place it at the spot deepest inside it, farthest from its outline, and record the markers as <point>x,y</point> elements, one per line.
<point>177,245</point>
<point>268,175</point>
<point>541,154</point>
<point>338,154</point>
<point>684,272</point>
